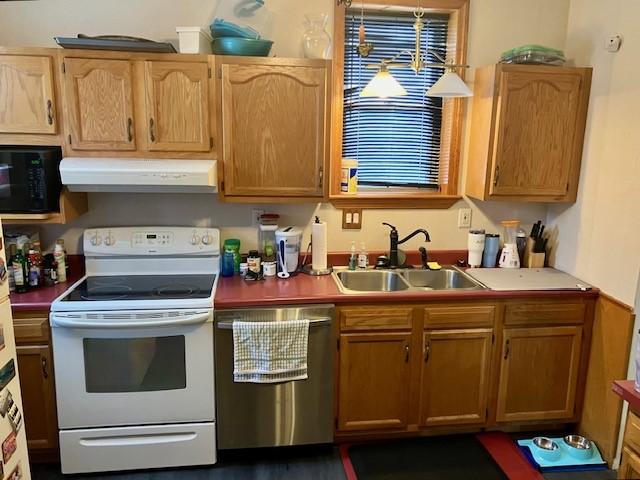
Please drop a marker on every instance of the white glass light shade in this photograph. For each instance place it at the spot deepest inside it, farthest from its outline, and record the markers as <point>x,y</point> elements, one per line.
<point>383,85</point>
<point>449,85</point>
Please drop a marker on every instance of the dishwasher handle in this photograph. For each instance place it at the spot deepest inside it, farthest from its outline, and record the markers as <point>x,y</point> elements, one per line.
<point>315,322</point>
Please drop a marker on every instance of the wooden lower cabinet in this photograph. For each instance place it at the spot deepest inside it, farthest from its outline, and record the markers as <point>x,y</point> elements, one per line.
<point>35,368</point>
<point>38,397</point>
<point>629,465</point>
<point>374,380</point>
<point>460,366</point>
<point>454,387</point>
<point>630,462</point>
<point>539,373</point>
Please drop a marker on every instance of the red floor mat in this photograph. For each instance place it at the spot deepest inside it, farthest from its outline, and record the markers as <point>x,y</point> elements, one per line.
<point>507,455</point>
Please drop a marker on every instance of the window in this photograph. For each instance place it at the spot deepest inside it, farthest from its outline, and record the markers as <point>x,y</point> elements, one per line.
<point>407,147</point>
<point>395,140</point>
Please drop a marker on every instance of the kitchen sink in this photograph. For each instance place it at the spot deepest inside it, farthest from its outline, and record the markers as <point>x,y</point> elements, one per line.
<point>402,280</point>
<point>370,281</point>
<point>448,278</point>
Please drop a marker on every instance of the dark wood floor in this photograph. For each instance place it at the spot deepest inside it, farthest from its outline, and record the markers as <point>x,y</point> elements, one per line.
<point>317,463</point>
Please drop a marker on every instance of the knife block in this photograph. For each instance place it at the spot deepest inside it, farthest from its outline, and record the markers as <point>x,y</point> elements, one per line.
<point>533,260</point>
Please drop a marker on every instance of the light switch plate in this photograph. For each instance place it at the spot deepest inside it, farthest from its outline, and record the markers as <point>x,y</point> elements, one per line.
<point>352,219</point>
<point>464,218</point>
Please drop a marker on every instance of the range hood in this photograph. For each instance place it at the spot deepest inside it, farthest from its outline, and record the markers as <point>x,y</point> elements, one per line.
<point>82,174</point>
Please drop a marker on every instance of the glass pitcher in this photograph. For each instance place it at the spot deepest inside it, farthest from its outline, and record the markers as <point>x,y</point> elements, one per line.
<point>315,40</point>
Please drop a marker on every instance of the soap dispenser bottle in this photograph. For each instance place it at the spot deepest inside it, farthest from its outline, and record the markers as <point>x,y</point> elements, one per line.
<point>363,258</point>
<point>353,258</point>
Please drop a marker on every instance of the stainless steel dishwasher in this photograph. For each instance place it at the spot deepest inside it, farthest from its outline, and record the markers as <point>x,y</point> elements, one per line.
<point>267,415</point>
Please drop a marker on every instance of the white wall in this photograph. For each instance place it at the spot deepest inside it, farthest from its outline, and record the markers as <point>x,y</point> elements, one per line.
<point>599,236</point>
<point>495,25</point>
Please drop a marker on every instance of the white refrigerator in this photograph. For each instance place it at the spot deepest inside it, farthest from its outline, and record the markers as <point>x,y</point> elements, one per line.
<point>14,464</point>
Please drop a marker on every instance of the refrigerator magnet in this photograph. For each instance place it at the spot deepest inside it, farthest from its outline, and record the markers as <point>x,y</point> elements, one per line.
<point>9,446</point>
<point>7,373</point>
<point>16,473</point>
<point>6,402</point>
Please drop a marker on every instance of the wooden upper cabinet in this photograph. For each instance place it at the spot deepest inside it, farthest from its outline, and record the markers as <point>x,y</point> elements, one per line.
<point>27,102</point>
<point>455,361</point>
<point>177,104</point>
<point>274,126</point>
<point>539,373</point>
<point>374,381</point>
<point>99,98</point>
<point>527,132</point>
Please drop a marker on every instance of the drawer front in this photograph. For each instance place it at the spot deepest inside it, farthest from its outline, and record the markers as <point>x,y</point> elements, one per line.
<point>358,319</point>
<point>544,313</point>
<point>632,432</point>
<point>469,316</point>
<point>31,328</point>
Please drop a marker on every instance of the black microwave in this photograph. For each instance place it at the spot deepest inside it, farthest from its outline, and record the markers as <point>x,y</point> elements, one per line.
<point>30,179</point>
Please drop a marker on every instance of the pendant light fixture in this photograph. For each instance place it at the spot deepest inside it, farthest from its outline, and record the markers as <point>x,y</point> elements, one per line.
<point>384,85</point>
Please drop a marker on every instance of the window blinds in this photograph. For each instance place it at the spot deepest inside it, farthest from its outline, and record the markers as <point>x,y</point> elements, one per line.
<point>395,140</point>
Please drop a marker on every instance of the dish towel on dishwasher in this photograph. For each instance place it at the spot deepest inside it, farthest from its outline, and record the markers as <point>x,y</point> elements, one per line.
<point>270,352</point>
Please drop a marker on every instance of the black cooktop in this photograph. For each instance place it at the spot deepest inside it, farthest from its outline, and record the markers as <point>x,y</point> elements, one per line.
<point>142,287</point>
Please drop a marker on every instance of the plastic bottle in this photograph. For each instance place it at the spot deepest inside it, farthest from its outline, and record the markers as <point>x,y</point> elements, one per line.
<point>353,258</point>
<point>12,280</point>
<point>58,254</point>
<point>363,258</point>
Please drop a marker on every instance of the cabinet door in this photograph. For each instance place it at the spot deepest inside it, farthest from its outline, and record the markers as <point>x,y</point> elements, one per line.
<point>99,98</point>
<point>273,129</point>
<point>38,396</point>
<point>536,123</point>
<point>455,361</point>
<point>374,381</point>
<point>177,105</point>
<point>538,373</point>
<point>629,465</point>
<point>27,104</point>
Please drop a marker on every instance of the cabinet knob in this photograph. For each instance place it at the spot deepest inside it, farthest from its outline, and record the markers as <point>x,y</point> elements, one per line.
<point>427,351</point>
<point>45,369</point>
<point>109,240</point>
<point>195,239</point>
<point>96,240</point>
<point>406,352</point>
<point>506,349</point>
<point>496,176</point>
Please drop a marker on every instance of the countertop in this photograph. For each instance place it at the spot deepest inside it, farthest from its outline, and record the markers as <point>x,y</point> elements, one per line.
<point>41,298</point>
<point>234,292</point>
<point>626,390</point>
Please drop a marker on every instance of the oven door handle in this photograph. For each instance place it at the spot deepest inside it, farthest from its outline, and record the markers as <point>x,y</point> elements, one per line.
<point>315,322</point>
<point>60,321</point>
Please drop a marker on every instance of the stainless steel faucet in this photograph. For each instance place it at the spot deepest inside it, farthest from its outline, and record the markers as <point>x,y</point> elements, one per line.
<point>394,242</point>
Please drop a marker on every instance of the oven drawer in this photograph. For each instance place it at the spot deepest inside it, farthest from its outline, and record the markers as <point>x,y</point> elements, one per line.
<point>130,448</point>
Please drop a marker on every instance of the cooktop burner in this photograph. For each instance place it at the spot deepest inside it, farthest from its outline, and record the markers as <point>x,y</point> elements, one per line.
<point>142,287</point>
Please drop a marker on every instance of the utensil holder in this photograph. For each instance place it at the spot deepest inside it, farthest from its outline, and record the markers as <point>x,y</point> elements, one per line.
<point>535,260</point>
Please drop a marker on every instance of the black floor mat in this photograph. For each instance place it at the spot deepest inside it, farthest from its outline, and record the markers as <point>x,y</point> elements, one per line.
<point>459,457</point>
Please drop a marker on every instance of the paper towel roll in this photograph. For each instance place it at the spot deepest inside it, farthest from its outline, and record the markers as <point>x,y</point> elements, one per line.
<point>319,246</point>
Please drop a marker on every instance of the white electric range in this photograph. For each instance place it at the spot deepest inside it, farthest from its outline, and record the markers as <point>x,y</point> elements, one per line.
<point>133,351</point>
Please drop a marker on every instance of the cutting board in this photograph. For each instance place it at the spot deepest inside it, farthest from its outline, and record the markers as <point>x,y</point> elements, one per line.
<point>527,279</point>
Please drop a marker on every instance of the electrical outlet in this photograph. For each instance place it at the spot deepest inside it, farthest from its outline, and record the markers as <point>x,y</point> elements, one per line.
<point>352,218</point>
<point>464,218</point>
<point>255,217</point>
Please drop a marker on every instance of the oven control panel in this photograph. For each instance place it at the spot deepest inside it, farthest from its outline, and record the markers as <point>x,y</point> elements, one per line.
<point>152,241</point>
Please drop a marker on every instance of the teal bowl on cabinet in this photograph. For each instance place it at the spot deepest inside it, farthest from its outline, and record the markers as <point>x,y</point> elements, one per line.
<point>241,46</point>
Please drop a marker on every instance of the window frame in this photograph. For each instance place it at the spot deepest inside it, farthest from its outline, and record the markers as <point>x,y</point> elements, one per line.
<point>452,116</point>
